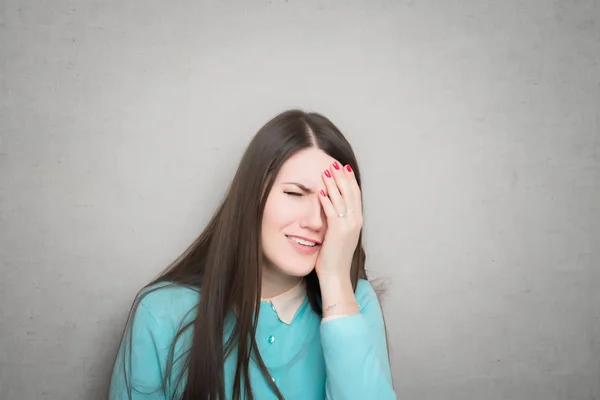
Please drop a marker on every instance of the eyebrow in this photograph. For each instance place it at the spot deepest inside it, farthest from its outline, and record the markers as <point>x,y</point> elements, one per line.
<point>301,186</point>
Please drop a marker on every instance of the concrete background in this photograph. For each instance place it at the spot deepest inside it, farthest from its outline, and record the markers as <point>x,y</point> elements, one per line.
<point>477,125</point>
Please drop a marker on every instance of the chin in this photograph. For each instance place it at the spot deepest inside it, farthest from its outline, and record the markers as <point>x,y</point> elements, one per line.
<point>297,270</point>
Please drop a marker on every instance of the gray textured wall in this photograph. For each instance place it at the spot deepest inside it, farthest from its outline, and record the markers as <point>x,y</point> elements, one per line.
<point>477,124</point>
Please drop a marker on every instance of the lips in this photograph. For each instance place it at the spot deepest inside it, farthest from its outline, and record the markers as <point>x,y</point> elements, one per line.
<point>316,242</point>
<point>303,248</point>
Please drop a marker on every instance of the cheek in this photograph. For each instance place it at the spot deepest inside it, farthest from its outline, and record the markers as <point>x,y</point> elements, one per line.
<point>269,211</point>
<point>279,214</point>
<point>278,220</point>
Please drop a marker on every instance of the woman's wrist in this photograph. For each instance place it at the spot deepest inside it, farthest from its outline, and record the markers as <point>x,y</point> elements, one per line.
<point>337,295</point>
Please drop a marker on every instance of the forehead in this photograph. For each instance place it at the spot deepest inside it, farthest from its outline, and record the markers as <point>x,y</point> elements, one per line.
<point>307,164</point>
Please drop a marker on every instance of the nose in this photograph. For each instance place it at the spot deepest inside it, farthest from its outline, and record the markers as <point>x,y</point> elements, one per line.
<point>314,217</point>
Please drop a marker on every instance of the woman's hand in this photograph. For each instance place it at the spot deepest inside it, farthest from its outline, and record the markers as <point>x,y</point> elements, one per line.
<point>342,205</point>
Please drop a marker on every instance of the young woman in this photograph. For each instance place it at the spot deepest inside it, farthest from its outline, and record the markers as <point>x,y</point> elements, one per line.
<point>272,300</point>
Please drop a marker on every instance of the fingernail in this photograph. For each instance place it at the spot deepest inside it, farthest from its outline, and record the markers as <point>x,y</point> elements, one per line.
<point>336,165</point>
<point>327,173</point>
<point>348,168</point>
<point>322,193</point>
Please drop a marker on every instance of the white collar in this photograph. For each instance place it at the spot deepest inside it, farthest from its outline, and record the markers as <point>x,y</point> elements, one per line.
<point>287,304</point>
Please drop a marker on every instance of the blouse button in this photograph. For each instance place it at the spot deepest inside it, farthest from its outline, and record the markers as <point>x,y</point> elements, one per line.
<point>271,339</point>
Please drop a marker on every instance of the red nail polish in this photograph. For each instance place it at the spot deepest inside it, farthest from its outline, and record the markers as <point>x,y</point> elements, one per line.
<point>348,168</point>
<point>327,173</point>
<point>336,165</point>
<point>322,193</point>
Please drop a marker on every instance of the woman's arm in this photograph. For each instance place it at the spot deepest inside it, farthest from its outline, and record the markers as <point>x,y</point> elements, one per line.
<point>138,369</point>
<point>354,345</point>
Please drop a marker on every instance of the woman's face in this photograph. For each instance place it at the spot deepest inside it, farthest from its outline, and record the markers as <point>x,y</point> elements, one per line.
<point>294,224</point>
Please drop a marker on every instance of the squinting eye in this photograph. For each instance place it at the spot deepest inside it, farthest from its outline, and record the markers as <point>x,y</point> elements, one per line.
<point>293,194</point>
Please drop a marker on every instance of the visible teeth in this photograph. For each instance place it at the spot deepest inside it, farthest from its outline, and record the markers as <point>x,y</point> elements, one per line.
<point>303,242</point>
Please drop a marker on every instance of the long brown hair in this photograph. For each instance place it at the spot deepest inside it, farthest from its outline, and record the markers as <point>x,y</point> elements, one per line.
<point>224,262</point>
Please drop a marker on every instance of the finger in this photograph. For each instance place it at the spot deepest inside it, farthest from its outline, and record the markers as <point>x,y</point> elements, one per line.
<point>343,184</point>
<point>333,192</point>
<point>353,183</point>
<point>327,205</point>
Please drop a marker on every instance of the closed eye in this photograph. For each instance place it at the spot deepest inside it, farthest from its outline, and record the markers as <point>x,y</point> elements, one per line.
<point>293,193</point>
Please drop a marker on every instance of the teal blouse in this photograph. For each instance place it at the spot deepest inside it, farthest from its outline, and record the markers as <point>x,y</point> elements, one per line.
<point>339,359</point>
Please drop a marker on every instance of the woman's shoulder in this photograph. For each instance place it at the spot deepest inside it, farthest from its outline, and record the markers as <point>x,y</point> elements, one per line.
<point>365,292</point>
<point>168,300</point>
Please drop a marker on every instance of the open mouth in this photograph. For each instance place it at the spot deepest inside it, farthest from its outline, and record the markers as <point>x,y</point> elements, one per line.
<point>303,242</point>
